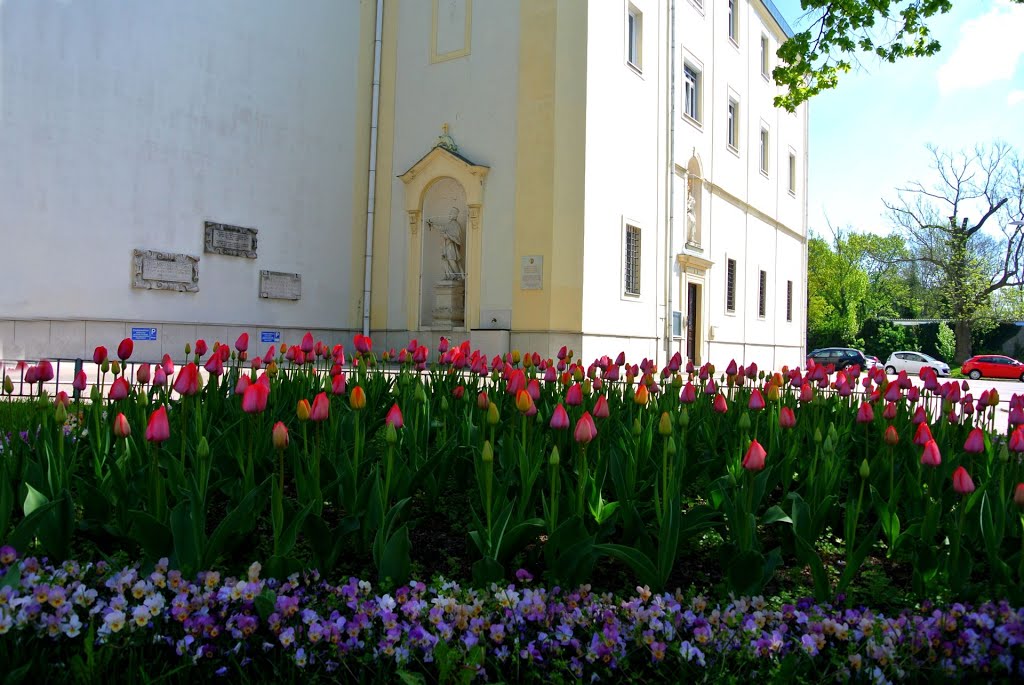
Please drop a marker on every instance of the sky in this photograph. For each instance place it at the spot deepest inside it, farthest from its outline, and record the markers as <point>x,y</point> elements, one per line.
<point>868,137</point>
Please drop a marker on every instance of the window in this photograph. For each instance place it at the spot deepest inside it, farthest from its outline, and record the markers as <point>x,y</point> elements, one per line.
<point>634,31</point>
<point>792,173</point>
<point>789,300</point>
<point>762,294</point>
<point>765,57</point>
<point>730,285</point>
<point>734,21</point>
<point>691,92</point>
<point>732,133</point>
<point>631,268</point>
<point>765,141</point>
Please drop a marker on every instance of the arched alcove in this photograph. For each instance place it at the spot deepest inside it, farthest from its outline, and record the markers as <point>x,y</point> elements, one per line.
<point>694,202</point>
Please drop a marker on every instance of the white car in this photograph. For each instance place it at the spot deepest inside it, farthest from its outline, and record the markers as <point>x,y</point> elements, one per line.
<point>913,362</point>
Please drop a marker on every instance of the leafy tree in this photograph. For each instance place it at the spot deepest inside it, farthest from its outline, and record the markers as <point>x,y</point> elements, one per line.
<point>961,233</point>
<point>946,341</point>
<point>842,30</point>
<point>836,287</point>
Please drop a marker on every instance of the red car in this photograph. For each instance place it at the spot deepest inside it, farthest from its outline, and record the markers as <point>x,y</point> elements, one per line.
<point>993,366</point>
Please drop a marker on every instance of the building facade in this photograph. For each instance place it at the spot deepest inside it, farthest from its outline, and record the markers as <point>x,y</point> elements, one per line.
<point>524,174</point>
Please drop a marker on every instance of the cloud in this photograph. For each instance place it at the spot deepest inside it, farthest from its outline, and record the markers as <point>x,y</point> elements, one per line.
<point>1015,97</point>
<point>989,49</point>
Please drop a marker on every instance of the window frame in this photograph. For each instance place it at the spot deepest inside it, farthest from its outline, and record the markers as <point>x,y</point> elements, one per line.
<point>632,264</point>
<point>789,301</point>
<point>731,274</point>
<point>762,294</point>
<point>733,22</point>
<point>792,172</point>
<point>692,91</point>
<point>732,120</point>
<point>766,67</point>
<point>634,37</point>
<point>765,150</point>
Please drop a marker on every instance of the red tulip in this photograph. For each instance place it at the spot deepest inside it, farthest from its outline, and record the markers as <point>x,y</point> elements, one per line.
<point>753,460</point>
<point>159,377</point>
<point>601,408</point>
<point>243,384</point>
<point>122,429</point>
<point>720,404</point>
<point>975,443</point>
<point>31,375</point>
<point>99,355</point>
<point>1017,439</point>
<point>919,416</point>
<point>586,430</point>
<point>889,413</point>
<point>891,437</point>
<point>710,388</point>
<point>62,399</point>
<point>45,370</point>
<point>930,456</point>
<point>559,419</point>
<point>865,414</point>
<point>574,395</point>
<point>923,434</point>
<point>394,417</point>
<point>307,345</point>
<point>201,347</point>
<point>362,343</point>
<point>254,399</point>
<point>338,384</point>
<point>458,391</point>
<point>787,419</point>
<point>689,394</point>
<point>215,365</point>
<point>806,393</point>
<point>533,387</point>
<point>482,400</point>
<point>142,374</point>
<point>80,381</point>
<point>242,344</point>
<point>962,483</point>
<point>756,402</point>
<point>269,356</point>
<point>124,350</point>
<point>187,382</point>
<point>158,429</point>
<point>118,389</point>
<point>321,408</point>
<point>168,365</point>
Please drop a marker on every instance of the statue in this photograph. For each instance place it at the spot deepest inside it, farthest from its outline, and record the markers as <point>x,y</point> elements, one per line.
<point>451,250</point>
<point>691,218</point>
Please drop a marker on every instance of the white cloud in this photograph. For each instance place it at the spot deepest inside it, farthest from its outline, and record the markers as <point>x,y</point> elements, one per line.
<point>1015,97</point>
<point>989,49</point>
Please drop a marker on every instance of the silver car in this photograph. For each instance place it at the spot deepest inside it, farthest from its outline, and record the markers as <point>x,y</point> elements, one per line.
<point>913,362</point>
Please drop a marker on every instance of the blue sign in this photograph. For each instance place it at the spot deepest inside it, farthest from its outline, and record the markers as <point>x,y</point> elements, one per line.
<point>143,334</point>
<point>270,336</point>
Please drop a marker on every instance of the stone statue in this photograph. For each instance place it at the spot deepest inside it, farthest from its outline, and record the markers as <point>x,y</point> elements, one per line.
<point>451,251</point>
<point>691,219</point>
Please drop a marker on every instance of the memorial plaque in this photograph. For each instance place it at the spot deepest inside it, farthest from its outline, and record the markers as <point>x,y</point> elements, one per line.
<point>531,272</point>
<point>279,285</point>
<point>154,270</point>
<point>234,241</point>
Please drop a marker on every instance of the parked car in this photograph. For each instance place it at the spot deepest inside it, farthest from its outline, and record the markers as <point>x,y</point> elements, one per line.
<point>840,357</point>
<point>993,366</point>
<point>913,362</point>
<point>873,360</point>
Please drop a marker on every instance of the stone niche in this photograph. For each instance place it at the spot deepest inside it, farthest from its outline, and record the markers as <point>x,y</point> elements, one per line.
<point>173,271</point>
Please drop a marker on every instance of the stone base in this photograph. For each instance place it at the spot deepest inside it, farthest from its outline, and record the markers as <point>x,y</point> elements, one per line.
<point>449,304</point>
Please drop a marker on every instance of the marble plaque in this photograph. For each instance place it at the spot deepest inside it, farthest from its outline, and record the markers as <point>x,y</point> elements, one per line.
<point>279,285</point>
<point>234,241</point>
<point>531,272</point>
<point>153,270</point>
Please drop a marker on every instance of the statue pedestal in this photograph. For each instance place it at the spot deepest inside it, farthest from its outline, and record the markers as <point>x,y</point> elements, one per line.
<point>449,304</point>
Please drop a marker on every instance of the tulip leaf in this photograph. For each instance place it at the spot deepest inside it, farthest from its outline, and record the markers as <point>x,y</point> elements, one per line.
<point>186,546</point>
<point>154,537</point>
<point>238,521</point>
<point>265,602</point>
<point>746,570</point>
<point>33,499</point>
<point>775,514</point>
<point>395,557</point>
<point>857,558</point>
<point>645,570</point>
<point>25,532</point>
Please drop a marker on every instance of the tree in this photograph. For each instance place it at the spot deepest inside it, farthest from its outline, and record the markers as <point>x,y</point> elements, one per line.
<point>840,30</point>
<point>836,287</point>
<point>960,231</point>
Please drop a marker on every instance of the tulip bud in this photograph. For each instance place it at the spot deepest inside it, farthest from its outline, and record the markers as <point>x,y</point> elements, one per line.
<point>670,446</point>
<point>8,385</point>
<point>60,415</point>
<point>105,366</point>
<point>115,367</point>
<point>1018,495</point>
<point>444,403</point>
<point>637,430</point>
<point>203,449</point>
<point>302,410</point>
<point>1004,453</point>
<point>122,429</point>
<point>390,434</point>
<point>420,394</point>
<point>865,469</point>
<point>554,459</point>
<point>492,414</point>
<point>487,454</point>
<point>188,349</point>
<point>665,424</point>
<point>828,446</point>
<point>744,422</point>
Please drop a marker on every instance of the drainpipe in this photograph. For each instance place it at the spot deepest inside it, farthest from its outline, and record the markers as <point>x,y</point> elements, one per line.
<point>371,188</point>
<point>671,233</point>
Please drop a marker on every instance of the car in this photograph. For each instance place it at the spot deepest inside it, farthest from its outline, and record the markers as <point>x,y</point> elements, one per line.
<point>839,357</point>
<point>993,366</point>
<point>913,362</point>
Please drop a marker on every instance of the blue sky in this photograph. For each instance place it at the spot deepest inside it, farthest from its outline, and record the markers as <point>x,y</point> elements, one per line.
<point>868,136</point>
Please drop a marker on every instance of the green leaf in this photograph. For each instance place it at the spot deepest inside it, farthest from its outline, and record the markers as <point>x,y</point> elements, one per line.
<point>775,514</point>
<point>644,569</point>
<point>25,532</point>
<point>265,603</point>
<point>854,563</point>
<point>187,549</point>
<point>154,537</point>
<point>746,569</point>
<point>12,578</point>
<point>33,499</point>
<point>239,521</point>
<point>411,678</point>
<point>395,559</point>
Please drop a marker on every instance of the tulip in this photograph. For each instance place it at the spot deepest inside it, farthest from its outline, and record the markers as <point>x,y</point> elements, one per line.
<point>223,351</point>
<point>201,347</point>
<point>930,456</point>
<point>99,355</point>
<point>923,434</point>
<point>720,404</point>
<point>523,401</point>
<point>962,483</point>
<point>574,395</point>
<point>533,388</point>
<point>321,408</point>
<point>8,385</point>
<point>302,409</point>
<point>585,430</point>
<point>975,443</point>
<point>122,429</point>
<point>642,395</point>
<point>756,402</point>
<point>601,408</point>
<point>45,371</point>
<point>31,375</point>
<point>254,399</point>
<point>269,356</point>
<point>865,414</point>
<point>307,343</point>
<point>158,430</point>
<point>168,365</point>
<point>482,400</point>
<point>492,414</point>
<point>710,388</point>
<point>806,393</point>
<point>338,384</point>
<point>665,424</point>
<point>891,437</point>
<point>1017,440</point>
<point>787,419</point>
<point>279,436</point>
<point>187,382</point>
<point>124,350</point>
<point>243,384</point>
<point>357,398</point>
<point>560,418</point>
<point>215,364</point>
<point>242,344</point>
<point>362,343</point>
<point>1018,495</point>
<point>62,399</point>
<point>689,394</point>
<point>159,377</point>
<point>142,374</point>
<point>80,381</point>
<point>118,389</point>
<point>889,413</point>
<point>753,460</point>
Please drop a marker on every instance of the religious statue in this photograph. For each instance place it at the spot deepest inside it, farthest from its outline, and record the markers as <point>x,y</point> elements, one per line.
<point>691,219</point>
<point>451,250</point>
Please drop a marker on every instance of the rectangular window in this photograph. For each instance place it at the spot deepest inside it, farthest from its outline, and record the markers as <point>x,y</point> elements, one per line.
<point>734,20</point>
<point>762,294</point>
<point>634,30</point>
<point>765,57</point>
<point>732,133</point>
<point>730,285</point>
<point>792,174</point>
<point>691,92</point>
<point>765,141</point>
<point>631,267</point>
<point>789,300</point>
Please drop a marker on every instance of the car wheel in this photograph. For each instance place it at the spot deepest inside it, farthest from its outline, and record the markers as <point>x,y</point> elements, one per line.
<point>891,370</point>
<point>1022,377</point>
<point>975,375</point>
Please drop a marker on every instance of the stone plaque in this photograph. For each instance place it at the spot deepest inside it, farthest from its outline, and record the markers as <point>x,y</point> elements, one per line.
<point>154,270</point>
<point>279,285</point>
<point>233,241</point>
<point>531,272</point>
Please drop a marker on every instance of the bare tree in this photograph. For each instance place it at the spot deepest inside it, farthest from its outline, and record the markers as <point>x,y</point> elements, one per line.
<point>961,229</point>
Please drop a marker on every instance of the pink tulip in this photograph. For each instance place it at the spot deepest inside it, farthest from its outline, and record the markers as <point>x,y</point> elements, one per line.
<point>1017,439</point>
<point>889,413</point>
<point>731,369</point>
<point>975,443</point>
<point>254,399</point>
<point>756,402</point>
<point>158,430</point>
<point>80,381</point>
<point>99,355</point>
<point>242,344</point>
<point>394,417</point>
<point>243,384</point>
<point>124,350</point>
<point>586,430</point>
<point>482,400</point>
<point>962,483</point>
<point>533,388</point>
<point>362,343</point>
<point>321,408</point>
<point>689,394</point>
<point>62,398</point>
<point>516,382</point>
<point>122,429</point>
<point>214,365</point>
<point>787,419</point>
<point>159,377</point>
<point>806,393</point>
<point>710,388</point>
<point>559,419</point>
<point>45,371</point>
<point>574,396</point>
<point>720,404</point>
<point>338,384</point>
<point>601,408</point>
<point>187,382</point>
<point>168,365</point>
<point>269,356</point>
<point>930,456</point>
<point>32,375</point>
<point>753,460</point>
<point>307,345</point>
<point>865,414</point>
<point>923,434</point>
<point>118,389</point>
<point>142,374</point>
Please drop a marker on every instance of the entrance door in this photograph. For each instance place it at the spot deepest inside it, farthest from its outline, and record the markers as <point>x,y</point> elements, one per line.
<point>692,292</point>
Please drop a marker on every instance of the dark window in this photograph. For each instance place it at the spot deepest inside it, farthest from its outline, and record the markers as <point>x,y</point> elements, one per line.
<point>789,300</point>
<point>762,294</point>
<point>631,267</point>
<point>730,285</point>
